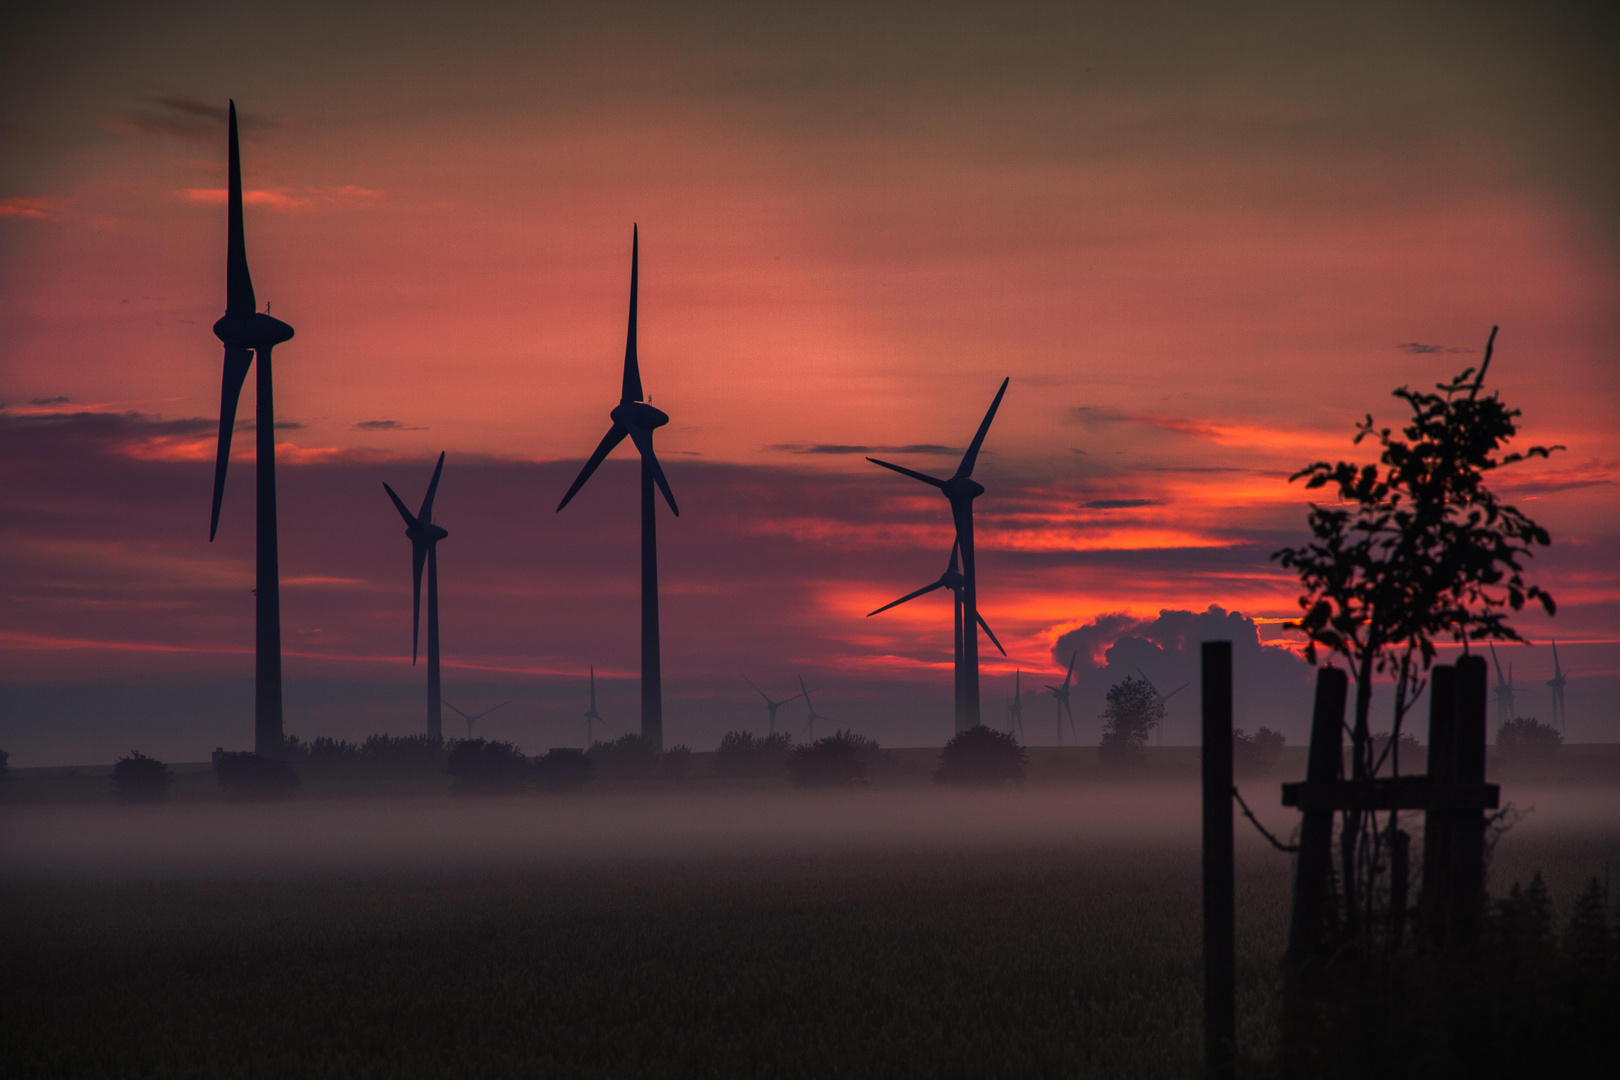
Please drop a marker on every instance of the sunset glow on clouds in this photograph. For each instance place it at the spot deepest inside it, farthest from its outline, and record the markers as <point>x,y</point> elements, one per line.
<point>1201,247</point>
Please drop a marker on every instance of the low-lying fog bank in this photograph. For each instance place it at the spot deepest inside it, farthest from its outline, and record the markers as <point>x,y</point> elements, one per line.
<point>447,833</point>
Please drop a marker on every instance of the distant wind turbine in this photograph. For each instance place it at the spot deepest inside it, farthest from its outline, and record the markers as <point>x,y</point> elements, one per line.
<point>961,489</point>
<point>771,704</point>
<point>636,418</point>
<point>1061,693</point>
<point>591,715</point>
<point>1557,684</point>
<point>425,536</point>
<point>812,716</point>
<point>1505,710</point>
<point>475,716</point>
<point>248,333</point>
<point>1015,707</point>
<point>954,580</point>
<point>1160,698</point>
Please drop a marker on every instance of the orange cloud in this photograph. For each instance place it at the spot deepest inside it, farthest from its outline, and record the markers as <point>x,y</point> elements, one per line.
<point>283,199</point>
<point>24,207</point>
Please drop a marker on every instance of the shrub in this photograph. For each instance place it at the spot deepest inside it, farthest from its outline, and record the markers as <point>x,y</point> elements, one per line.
<point>247,775</point>
<point>5,764</point>
<point>628,755</point>
<point>1133,711</point>
<point>481,767</point>
<point>1255,755</point>
<point>1526,737</point>
<point>677,761</point>
<point>399,756</point>
<point>562,769</point>
<point>140,779</point>
<point>742,753</point>
<point>832,761</point>
<point>981,755</point>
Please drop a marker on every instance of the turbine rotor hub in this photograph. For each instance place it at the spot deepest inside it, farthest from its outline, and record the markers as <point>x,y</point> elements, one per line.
<point>251,331</point>
<point>963,487</point>
<point>638,414</point>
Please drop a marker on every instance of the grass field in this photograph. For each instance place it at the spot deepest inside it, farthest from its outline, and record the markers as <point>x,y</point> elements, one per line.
<point>1048,932</point>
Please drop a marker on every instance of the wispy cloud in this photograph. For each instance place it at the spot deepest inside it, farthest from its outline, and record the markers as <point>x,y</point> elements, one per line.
<point>852,448</point>
<point>22,206</point>
<point>178,116</point>
<point>286,199</point>
<point>1419,348</point>
<point>385,425</point>
<point>1120,504</point>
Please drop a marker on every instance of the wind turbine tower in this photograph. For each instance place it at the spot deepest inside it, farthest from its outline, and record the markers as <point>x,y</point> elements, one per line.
<point>771,704</point>
<point>1015,707</point>
<point>591,715</point>
<point>1061,693</point>
<point>953,580</point>
<point>960,490</point>
<point>636,418</point>
<point>1505,710</point>
<point>1557,684</point>
<point>812,716</point>
<point>250,334</point>
<point>425,536</point>
<point>475,716</point>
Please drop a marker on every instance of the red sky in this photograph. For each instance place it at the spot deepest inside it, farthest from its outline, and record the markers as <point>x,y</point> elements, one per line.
<point>1201,245</point>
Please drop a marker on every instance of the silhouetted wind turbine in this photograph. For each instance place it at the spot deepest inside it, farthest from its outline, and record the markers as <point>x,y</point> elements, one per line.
<point>1504,690</point>
<point>591,715</point>
<point>1557,684</point>
<point>248,333</point>
<point>1015,707</point>
<point>953,580</point>
<point>425,537</point>
<point>1061,693</point>
<point>638,419</point>
<point>812,716</point>
<point>771,704</point>
<point>1161,698</point>
<point>475,716</point>
<point>961,489</point>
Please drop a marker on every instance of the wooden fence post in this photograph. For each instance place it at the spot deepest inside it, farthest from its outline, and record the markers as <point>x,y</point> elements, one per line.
<point>1220,1010</point>
<point>1435,903</point>
<point>1468,886</point>
<point>1313,890</point>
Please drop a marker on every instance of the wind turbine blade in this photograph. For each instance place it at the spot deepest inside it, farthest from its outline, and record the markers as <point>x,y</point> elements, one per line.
<point>237,362</point>
<point>1145,679</point>
<point>972,455</point>
<point>953,567</point>
<point>991,632</point>
<point>757,690</point>
<point>632,367</point>
<point>1494,660</point>
<point>239,298</point>
<point>410,521</point>
<point>908,596</point>
<point>1557,671</point>
<point>433,487</point>
<point>489,710</point>
<point>806,693</point>
<point>458,712</point>
<point>910,472</point>
<point>1070,675</point>
<point>418,557</point>
<point>643,440</point>
<point>613,438</point>
<point>1176,691</point>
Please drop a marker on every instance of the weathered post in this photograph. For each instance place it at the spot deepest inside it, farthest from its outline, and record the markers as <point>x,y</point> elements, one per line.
<point>1437,821</point>
<point>1220,1012</point>
<point>1468,884</point>
<point>1313,884</point>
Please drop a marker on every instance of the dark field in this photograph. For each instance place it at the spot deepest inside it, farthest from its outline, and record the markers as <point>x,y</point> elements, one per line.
<point>1051,931</point>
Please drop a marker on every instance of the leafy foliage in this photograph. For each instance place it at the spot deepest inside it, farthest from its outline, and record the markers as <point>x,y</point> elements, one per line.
<point>832,761</point>
<point>742,753</point>
<point>628,755</point>
<point>562,769</point>
<point>141,779</point>
<point>981,755</point>
<point>676,761</point>
<point>1255,755</point>
<point>1526,737</point>
<point>482,767</point>
<point>247,775</point>
<point>1133,711</point>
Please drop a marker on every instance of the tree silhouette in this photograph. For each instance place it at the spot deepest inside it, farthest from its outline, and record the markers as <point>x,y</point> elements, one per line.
<point>1134,710</point>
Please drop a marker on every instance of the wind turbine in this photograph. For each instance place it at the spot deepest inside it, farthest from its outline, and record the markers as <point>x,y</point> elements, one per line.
<point>591,715</point>
<point>1161,698</point>
<point>1557,684</point>
<point>637,419</point>
<point>769,703</point>
<point>953,580</point>
<point>1015,707</point>
<point>425,537</point>
<point>248,333</point>
<point>475,716</point>
<point>1061,693</point>
<point>813,716</point>
<point>961,489</point>
<point>1505,710</point>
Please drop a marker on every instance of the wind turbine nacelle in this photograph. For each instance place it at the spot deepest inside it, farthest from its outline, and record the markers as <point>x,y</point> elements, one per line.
<point>251,331</point>
<point>638,414</point>
<point>425,534</point>
<point>963,487</point>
